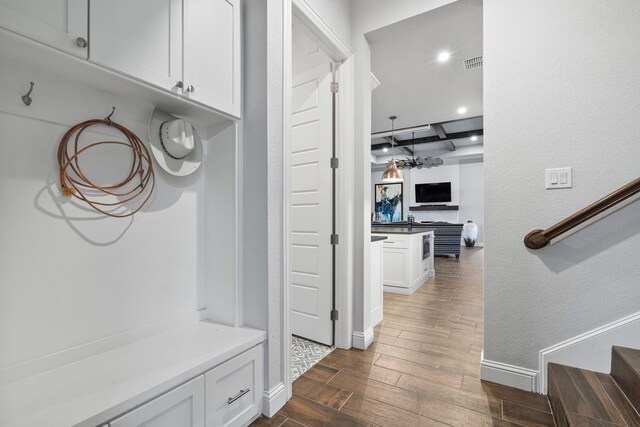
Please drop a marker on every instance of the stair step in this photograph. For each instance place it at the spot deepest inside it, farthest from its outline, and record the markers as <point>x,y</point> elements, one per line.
<point>579,398</point>
<point>628,412</point>
<point>625,369</point>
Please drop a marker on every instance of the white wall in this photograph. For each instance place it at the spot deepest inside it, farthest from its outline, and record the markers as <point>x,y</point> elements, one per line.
<point>561,89</point>
<point>336,14</point>
<point>467,191</point>
<point>69,277</point>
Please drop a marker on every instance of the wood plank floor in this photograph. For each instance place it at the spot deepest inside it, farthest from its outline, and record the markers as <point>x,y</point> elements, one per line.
<point>422,369</point>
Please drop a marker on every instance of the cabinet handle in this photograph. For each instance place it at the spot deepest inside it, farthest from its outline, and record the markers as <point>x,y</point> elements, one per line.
<point>81,42</point>
<point>179,84</point>
<point>190,88</point>
<point>237,396</point>
<point>388,241</point>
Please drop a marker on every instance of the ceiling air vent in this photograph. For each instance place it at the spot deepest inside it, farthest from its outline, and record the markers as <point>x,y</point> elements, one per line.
<point>471,63</point>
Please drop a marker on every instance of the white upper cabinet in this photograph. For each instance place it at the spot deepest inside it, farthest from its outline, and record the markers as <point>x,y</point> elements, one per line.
<point>58,23</point>
<point>141,38</point>
<point>212,53</point>
<point>189,46</point>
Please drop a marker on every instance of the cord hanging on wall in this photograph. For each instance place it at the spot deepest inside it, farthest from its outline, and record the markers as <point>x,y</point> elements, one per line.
<point>119,200</point>
<point>27,98</point>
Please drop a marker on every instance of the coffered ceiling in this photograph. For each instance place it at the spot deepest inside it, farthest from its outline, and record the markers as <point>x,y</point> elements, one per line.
<point>418,88</point>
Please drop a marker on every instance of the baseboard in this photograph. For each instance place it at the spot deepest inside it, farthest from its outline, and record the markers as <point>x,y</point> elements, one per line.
<point>362,340</point>
<point>591,350</point>
<point>509,375</point>
<point>273,400</point>
<point>477,245</point>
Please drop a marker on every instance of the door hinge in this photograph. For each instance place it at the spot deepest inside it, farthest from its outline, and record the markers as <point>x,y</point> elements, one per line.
<point>334,314</point>
<point>334,163</point>
<point>334,87</point>
<point>334,239</point>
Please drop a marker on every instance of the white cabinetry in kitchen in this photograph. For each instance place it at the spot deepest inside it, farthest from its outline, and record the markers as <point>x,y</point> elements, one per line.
<point>377,296</point>
<point>407,261</point>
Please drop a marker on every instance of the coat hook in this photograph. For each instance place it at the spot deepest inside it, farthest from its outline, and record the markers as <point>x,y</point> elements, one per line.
<point>27,98</point>
<point>108,118</point>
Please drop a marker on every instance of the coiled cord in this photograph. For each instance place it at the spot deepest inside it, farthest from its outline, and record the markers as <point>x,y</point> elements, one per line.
<point>74,182</point>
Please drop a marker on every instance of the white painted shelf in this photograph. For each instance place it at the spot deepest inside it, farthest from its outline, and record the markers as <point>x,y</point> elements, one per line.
<point>97,389</point>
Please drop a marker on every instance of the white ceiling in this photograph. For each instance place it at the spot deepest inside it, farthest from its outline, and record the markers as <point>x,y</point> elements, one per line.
<point>414,85</point>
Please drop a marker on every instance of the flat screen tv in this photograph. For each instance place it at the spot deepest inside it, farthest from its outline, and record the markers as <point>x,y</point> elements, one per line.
<point>435,192</point>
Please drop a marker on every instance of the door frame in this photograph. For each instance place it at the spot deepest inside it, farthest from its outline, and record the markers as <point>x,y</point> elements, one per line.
<point>340,54</point>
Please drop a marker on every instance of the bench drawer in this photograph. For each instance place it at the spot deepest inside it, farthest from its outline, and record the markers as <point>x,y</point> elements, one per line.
<point>234,390</point>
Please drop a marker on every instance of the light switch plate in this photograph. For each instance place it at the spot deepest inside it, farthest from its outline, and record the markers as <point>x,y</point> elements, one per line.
<point>558,178</point>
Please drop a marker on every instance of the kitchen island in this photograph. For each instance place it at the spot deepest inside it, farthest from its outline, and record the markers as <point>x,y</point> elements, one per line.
<point>407,257</point>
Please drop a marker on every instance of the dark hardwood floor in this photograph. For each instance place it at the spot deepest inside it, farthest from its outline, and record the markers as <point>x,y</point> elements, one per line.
<point>422,370</point>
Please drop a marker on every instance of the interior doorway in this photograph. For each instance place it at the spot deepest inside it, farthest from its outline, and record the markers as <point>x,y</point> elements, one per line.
<point>317,52</point>
<point>312,201</point>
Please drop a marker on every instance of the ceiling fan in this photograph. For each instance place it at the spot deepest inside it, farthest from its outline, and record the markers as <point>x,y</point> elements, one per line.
<point>419,162</point>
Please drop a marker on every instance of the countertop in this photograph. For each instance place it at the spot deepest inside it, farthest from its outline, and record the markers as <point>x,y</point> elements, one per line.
<point>400,230</point>
<point>378,238</point>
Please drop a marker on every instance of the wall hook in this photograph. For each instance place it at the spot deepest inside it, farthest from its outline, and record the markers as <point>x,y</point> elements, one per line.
<point>27,98</point>
<point>108,118</point>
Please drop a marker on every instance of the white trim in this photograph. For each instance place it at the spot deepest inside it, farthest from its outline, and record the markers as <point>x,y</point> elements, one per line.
<point>332,44</point>
<point>478,245</point>
<point>591,350</point>
<point>362,340</point>
<point>273,400</point>
<point>344,213</point>
<point>287,90</point>
<point>374,82</point>
<point>239,316</point>
<point>509,375</point>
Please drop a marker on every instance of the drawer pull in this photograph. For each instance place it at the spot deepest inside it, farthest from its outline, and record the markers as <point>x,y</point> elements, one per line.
<point>387,242</point>
<point>238,396</point>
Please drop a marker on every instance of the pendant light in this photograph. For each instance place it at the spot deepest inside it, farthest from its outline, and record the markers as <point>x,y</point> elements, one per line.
<point>392,173</point>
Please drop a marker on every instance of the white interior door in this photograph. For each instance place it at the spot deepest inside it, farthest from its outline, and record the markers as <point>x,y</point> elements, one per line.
<point>311,206</point>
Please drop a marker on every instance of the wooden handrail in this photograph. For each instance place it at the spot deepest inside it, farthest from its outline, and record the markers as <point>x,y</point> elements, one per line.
<point>538,239</point>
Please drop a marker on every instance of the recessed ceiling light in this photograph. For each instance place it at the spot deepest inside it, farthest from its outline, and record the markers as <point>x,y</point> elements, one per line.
<point>462,110</point>
<point>444,56</point>
<point>385,149</point>
<point>474,138</point>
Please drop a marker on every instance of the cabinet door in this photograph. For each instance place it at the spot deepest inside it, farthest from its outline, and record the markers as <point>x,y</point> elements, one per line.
<point>57,23</point>
<point>180,407</point>
<point>141,38</point>
<point>234,390</point>
<point>212,53</point>
<point>395,269</point>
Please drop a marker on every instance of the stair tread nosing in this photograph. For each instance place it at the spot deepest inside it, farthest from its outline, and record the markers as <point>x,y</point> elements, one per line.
<point>625,369</point>
<point>579,399</point>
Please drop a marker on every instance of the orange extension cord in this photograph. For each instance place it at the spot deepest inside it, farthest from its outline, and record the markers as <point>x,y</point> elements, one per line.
<point>73,181</point>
